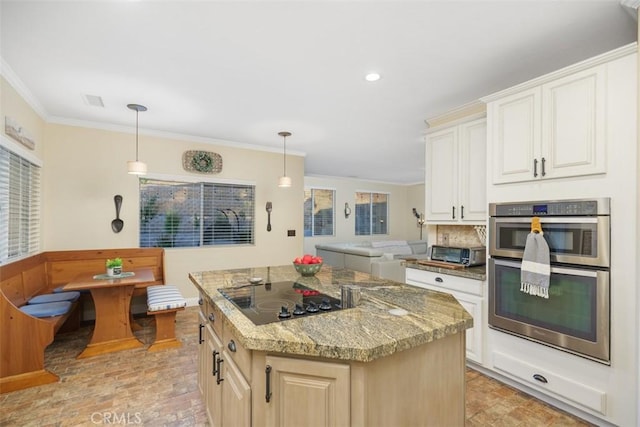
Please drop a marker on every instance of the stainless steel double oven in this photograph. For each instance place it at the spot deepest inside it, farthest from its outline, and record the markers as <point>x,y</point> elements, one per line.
<point>576,317</point>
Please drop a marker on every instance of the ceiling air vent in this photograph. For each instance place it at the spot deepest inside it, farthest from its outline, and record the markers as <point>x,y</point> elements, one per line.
<point>93,100</point>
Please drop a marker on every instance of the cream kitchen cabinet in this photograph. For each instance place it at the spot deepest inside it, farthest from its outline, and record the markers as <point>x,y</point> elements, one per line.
<point>225,391</point>
<point>470,295</point>
<point>555,129</point>
<point>306,392</point>
<point>456,174</point>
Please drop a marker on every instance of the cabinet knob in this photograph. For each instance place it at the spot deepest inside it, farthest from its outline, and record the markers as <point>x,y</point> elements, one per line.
<point>232,346</point>
<point>200,301</point>
<point>212,317</point>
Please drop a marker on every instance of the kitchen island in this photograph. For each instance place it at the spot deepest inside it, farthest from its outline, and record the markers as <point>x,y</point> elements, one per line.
<point>398,358</point>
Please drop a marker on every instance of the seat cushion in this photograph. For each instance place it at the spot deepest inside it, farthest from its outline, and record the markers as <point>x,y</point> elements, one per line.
<point>164,297</point>
<point>50,309</point>
<point>55,297</point>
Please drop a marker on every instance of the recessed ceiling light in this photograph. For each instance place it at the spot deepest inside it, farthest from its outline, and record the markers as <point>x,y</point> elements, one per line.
<point>372,77</point>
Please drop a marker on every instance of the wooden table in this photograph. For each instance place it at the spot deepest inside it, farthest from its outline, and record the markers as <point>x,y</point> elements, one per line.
<point>112,299</point>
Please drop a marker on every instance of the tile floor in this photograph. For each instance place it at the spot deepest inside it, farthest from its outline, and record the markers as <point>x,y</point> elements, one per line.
<point>160,389</point>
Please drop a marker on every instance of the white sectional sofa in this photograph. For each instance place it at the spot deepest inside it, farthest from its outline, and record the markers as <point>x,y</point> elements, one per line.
<point>382,258</point>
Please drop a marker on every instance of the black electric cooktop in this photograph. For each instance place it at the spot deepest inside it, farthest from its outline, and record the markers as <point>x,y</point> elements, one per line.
<point>279,301</point>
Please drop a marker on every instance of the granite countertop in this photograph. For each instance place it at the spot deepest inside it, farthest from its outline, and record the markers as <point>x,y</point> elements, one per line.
<point>476,273</point>
<point>364,333</point>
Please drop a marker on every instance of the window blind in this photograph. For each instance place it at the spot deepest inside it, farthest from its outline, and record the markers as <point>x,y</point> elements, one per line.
<point>19,206</point>
<point>181,214</point>
<point>319,212</point>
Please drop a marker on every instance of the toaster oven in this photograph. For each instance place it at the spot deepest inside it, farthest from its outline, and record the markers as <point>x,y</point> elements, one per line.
<point>465,256</point>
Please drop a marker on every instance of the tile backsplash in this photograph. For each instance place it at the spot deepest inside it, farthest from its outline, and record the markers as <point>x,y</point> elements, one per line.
<point>459,235</point>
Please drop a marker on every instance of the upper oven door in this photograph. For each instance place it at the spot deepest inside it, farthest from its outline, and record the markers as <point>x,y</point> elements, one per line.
<point>572,240</point>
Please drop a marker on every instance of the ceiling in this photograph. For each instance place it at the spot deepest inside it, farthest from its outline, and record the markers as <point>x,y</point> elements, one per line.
<point>240,71</point>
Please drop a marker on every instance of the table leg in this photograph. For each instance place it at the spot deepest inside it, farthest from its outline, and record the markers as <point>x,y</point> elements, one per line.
<point>112,331</point>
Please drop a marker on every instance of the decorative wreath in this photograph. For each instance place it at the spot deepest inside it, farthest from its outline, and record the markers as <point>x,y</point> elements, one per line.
<point>202,161</point>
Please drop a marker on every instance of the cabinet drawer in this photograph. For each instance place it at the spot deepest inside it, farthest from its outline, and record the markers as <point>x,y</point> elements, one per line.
<point>241,356</point>
<point>213,316</point>
<point>417,277</point>
<point>552,382</point>
<point>202,302</point>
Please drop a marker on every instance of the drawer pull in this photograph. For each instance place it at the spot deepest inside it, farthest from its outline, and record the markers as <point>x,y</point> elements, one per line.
<point>214,355</point>
<point>212,318</point>
<point>267,371</point>
<point>540,378</point>
<point>439,280</point>
<point>218,370</point>
<point>200,339</point>
<point>232,346</point>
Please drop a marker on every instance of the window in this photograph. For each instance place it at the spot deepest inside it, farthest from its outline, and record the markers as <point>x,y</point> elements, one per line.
<point>318,212</point>
<point>184,214</point>
<point>19,206</point>
<point>371,213</point>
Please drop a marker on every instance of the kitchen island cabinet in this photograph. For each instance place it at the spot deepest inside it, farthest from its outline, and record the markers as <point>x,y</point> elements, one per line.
<point>398,358</point>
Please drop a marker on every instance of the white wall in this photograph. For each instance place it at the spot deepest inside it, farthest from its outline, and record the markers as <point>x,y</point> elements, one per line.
<point>402,198</point>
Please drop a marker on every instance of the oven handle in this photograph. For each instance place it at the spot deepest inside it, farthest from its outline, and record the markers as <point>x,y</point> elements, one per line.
<point>554,269</point>
<point>549,220</point>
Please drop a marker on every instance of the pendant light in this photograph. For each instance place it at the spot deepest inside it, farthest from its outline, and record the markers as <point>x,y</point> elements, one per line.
<point>136,167</point>
<point>284,180</point>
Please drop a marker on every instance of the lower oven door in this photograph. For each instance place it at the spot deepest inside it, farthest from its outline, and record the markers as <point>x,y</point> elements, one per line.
<point>575,318</point>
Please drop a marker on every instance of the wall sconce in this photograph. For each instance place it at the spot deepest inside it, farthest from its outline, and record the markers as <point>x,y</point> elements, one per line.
<point>136,167</point>
<point>347,210</point>
<point>421,221</point>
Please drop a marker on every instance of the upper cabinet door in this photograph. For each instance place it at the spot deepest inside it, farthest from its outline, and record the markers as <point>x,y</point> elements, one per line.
<point>472,153</point>
<point>442,175</point>
<point>515,125</point>
<point>456,174</point>
<point>574,136</point>
<point>553,130</point>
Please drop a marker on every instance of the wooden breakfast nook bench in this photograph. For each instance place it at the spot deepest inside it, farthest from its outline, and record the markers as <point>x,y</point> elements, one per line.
<point>23,336</point>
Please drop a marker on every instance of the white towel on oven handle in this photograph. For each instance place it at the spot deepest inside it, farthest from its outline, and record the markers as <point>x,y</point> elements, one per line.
<point>535,272</point>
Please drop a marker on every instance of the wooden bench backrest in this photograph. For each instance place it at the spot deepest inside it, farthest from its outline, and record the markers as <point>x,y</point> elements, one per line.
<point>64,266</point>
<point>41,273</point>
<point>23,279</point>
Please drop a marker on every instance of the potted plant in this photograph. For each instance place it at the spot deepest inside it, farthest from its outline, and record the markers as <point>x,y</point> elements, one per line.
<point>114,267</point>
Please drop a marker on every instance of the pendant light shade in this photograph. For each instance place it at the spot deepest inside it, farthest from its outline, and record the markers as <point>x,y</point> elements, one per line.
<point>284,180</point>
<point>136,167</point>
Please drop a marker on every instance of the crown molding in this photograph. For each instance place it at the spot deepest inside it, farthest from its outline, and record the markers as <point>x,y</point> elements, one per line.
<point>12,78</point>
<point>571,69</point>
<point>631,6</point>
<point>169,135</point>
<point>470,111</point>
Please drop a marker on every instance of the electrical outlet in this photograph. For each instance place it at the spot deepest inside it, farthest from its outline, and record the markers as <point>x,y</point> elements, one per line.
<point>445,239</point>
<point>291,233</point>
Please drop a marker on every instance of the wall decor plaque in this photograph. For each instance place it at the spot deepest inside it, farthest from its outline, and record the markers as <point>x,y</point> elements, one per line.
<point>17,132</point>
<point>202,161</point>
